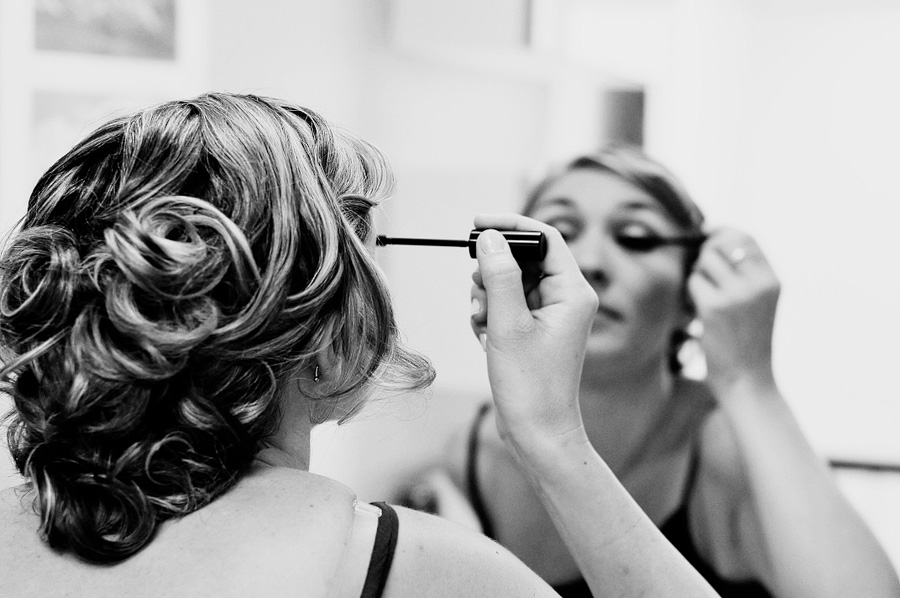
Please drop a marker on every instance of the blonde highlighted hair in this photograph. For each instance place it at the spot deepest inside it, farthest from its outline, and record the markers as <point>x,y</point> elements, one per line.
<point>173,271</point>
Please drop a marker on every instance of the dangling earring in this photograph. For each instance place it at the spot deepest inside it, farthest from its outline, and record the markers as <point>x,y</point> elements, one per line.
<point>316,374</point>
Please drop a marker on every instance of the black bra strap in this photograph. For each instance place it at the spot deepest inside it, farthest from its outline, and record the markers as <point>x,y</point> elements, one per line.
<point>475,496</point>
<point>693,467</point>
<point>382,551</point>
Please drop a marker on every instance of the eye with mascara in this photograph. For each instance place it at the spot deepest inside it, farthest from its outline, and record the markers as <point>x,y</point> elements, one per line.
<point>647,241</point>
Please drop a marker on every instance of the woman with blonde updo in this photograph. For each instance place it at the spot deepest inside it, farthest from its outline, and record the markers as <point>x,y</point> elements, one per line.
<point>189,292</point>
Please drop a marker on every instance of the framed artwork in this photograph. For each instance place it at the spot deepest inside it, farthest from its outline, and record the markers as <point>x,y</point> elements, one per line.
<point>136,29</point>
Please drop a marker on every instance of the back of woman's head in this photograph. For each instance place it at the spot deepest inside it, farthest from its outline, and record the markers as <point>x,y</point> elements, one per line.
<point>173,272</point>
<point>636,167</point>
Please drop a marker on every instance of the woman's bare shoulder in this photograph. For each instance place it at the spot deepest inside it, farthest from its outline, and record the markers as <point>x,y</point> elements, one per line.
<point>281,491</point>
<point>277,532</point>
<point>437,557</point>
<point>269,503</point>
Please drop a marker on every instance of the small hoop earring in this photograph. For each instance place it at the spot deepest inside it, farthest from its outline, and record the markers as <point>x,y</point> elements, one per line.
<point>316,374</point>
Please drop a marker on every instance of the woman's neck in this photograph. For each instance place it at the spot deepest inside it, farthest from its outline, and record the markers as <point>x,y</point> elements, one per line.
<point>622,410</point>
<point>290,445</point>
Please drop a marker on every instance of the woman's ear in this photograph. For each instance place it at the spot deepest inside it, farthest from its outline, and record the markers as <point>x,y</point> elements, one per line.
<point>317,381</point>
<point>314,377</point>
<point>306,377</point>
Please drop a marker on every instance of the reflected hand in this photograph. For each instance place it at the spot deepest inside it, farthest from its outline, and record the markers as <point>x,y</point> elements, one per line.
<point>735,293</point>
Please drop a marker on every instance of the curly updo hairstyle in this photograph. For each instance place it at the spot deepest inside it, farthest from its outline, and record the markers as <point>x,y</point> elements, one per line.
<point>174,271</point>
<point>636,167</point>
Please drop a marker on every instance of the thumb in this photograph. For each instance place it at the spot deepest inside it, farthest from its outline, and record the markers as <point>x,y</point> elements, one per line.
<point>502,279</point>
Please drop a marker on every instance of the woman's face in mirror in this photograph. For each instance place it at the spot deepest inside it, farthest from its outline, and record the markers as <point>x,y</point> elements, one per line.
<point>641,292</point>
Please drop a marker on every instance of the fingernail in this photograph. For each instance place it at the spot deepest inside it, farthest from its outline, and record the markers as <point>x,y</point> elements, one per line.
<point>476,305</point>
<point>494,241</point>
<point>482,338</point>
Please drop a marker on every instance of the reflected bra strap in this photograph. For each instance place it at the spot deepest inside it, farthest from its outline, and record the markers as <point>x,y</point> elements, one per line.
<point>472,486</point>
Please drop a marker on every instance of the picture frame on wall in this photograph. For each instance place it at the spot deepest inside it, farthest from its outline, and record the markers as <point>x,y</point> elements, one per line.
<point>136,29</point>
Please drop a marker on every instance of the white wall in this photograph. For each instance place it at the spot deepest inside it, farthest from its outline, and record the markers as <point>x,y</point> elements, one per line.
<point>311,52</point>
<point>781,117</point>
<point>821,185</point>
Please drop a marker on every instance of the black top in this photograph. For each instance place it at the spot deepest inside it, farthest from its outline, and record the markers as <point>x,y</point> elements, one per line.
<point>676,529</point>
<point>382,552</point>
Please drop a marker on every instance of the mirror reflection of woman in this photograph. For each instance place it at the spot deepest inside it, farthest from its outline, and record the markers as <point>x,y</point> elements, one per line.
<point>719,465</point>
